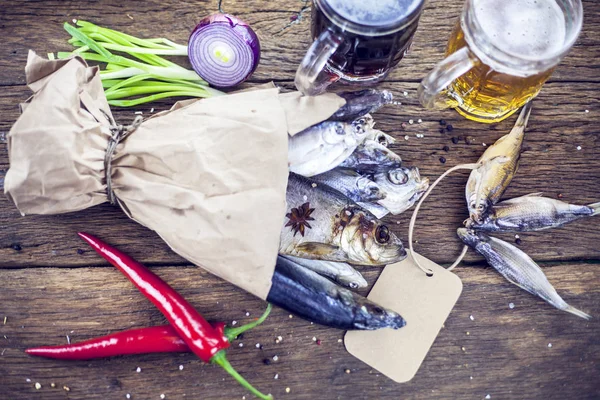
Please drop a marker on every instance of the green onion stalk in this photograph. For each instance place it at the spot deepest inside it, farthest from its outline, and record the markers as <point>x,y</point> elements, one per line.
<point>143,77</point>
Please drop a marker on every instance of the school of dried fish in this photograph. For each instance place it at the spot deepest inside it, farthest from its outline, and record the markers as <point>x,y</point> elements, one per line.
<point>343,179</point>
<point>522,214</point>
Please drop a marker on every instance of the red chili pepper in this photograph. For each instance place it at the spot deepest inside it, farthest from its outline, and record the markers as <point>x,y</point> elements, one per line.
<point>155,339</point>
<point>205,341</point>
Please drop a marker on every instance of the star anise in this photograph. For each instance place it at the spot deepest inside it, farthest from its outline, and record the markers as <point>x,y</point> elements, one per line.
<point>299,217</point>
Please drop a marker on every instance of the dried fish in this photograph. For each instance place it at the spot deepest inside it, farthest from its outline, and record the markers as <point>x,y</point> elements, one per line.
<point>361,103</point>
<point>342,273</point>
<point>517,267</point>
<point>486,185</point>
<point>324,224</point>
<point>317,299</point>
<point>372,157</point>
<point>351,184</point>
<point>403,186</point>
<point>531,213</point>
<point>324,146</point>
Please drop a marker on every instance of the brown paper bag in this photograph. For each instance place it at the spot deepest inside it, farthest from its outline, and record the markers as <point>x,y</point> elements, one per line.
<point>209,176</point>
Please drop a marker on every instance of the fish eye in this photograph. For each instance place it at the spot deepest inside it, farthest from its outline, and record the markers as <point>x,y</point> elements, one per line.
<point>398,177</point>
<point>382,234</point>
<point>480,207</point>
<point>378,310</point>
<point>339,129</point>
<point>353,285</point>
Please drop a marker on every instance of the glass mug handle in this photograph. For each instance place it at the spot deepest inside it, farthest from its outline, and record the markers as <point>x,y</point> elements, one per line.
<point>311,79</point>
<point>432,93</point>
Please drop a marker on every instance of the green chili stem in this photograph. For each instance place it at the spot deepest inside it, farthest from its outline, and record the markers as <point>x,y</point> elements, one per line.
<point>152,97</point>
<point>233,333</point>
<point>138,90</point>
<point>221,360</point>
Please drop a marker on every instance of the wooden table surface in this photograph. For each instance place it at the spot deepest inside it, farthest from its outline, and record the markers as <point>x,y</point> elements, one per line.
<point>52,286</point>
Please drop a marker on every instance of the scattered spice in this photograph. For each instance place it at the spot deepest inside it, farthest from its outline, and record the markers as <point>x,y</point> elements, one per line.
<point>518,241</point>
<point>454,140</point>
<point>442,130</point>
<point>446,149</point>
<point>449,128</point>
<point>403,125</point>
<point>469,140</point>
<point>80,251</point>
<point>16,247</point>
<point>443,160</point>
<point>267,361</point>
<point>442,122</point>
<point>318,342</point>
<point>560,196</point>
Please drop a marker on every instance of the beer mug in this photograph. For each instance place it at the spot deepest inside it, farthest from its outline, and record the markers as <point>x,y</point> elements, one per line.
<point>356,41</point>
<point>500,54</point>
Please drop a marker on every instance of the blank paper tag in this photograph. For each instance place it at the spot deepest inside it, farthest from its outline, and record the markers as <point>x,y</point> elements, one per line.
<point>424,302</point>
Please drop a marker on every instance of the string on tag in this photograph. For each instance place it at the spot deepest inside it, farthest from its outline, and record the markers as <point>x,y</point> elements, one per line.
<point>482,165</point>
<point>118,133</point>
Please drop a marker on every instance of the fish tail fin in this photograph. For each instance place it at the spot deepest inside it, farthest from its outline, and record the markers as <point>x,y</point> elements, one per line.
<point>519,128</point>
<point>595,208</point>
<point>577,312</point>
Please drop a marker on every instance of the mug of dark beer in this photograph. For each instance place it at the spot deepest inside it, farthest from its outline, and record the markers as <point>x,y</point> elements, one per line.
<point>356,41</point>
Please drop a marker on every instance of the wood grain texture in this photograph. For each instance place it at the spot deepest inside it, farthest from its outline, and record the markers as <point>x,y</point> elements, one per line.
<point>51,285</point>
<point>505,350</point>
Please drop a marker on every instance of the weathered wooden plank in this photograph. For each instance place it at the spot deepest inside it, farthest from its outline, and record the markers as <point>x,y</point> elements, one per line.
<point>550,163</point>
<point>38,26</point>
<point>506,351</point>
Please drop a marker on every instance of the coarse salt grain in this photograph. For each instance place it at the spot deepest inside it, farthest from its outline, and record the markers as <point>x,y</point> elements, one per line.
<point>138,113</point>
<point>127,396</point>
<point>257,345</point>
<point>276,376</point>
<point>279,338</point>
<point>314,339</point>
<point>181,367</point>
<point>138,370</point>
<point>488,397</point>
<point>27,380</point>
<point>287,390</point>
<point>410,121</point>
<point>241,344</point>
<point>275,358</point>
<point>549,344</point>
<point>290,316</point>
<point>152,110</point>
<point>162,396</point>
<point>405,93</point>
<point>314,185</point>
<point>511,305</point>
<point>587,111</point>
<point>472,318</point>
<point>305,198</point>
<point>247,314</point>
<point>578,147</point>
<point>233,322</point>
<point>419,121</point>
<point>406,137</point>
<point>347,371</point>
<point>339,340</point>
<point>38,385</point>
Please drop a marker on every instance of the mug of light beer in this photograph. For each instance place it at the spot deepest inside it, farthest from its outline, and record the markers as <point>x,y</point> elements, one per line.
<point>500,54</point>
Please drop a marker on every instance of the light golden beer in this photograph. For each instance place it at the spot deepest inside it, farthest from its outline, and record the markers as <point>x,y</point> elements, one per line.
<point>500,54</point>
<point>485,95</point>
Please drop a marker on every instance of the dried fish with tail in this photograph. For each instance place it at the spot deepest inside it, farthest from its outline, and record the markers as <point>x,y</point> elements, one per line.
<point>351,184</point>
<point>360,103</point>
<point>486,185</point>
<point>531,213</point>
<point>372,157</point>
<point>517,267</point>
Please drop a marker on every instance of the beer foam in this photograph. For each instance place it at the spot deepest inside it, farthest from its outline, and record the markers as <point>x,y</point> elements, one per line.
<point>528,28</point>
<point>374,13</point>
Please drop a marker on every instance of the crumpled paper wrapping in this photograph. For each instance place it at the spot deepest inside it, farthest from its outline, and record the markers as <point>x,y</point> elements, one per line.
<point>209,176</point>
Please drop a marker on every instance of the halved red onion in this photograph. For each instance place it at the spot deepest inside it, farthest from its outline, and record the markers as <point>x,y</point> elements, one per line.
<point>223,50</point>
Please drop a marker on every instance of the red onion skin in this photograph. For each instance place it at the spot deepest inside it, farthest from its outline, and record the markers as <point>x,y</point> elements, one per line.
<point>241,28</point>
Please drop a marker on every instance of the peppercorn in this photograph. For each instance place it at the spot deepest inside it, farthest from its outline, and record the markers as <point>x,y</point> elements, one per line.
<point>518,241</point>
<point>267,361</point>
<point>455,140</point>
<point>442,122</point>
<point>16,247</point>
<point>446,149</point>
<point>443,160</point>
<point>449,128</point>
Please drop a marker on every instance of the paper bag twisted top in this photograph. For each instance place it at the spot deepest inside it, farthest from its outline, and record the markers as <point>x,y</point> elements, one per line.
<point>209,176</point>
